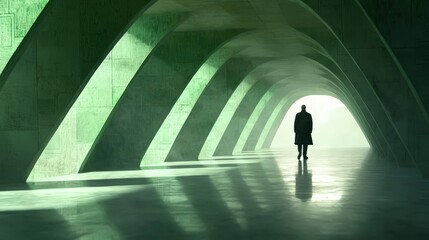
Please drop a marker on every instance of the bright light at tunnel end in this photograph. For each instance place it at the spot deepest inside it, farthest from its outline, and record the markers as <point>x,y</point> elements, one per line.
<point>333,124</point>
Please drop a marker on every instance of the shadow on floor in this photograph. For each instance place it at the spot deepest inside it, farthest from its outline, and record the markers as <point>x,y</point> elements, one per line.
<point>34,224</point>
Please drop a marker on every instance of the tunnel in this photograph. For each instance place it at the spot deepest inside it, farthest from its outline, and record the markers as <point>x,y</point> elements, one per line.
<point>173,119</point>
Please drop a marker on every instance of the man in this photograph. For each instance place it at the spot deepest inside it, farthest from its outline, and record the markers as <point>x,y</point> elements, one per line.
<point>303,127</point>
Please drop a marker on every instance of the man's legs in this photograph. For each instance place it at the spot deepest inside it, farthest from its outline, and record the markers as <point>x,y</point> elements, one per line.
<point>305,151</point>
<point>299,150</point>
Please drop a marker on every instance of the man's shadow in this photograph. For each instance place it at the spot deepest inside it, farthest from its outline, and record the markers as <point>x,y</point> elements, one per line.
<point>303,183</point>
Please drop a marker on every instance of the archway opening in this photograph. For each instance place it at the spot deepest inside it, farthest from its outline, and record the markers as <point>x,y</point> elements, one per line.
<point>333,124</point>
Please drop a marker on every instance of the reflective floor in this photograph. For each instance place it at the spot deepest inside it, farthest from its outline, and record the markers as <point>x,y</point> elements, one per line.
<point>337,194</point>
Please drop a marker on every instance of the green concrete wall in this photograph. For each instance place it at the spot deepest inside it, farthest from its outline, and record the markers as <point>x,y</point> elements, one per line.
<point>197,127</point>
<point>149,98</point>
<point>75,136</point>
<point>165,137</point>
<point>16,19</point>
<point>99,93</point>
<point>58,60</point>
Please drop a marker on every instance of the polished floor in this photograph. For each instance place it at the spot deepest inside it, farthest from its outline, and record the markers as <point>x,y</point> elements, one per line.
<point>337,194</point>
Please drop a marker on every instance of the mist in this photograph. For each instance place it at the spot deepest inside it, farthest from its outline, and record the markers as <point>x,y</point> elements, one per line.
<point>333,124</point>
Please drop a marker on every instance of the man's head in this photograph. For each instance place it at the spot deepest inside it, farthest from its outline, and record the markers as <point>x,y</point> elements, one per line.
<point>303,107</point>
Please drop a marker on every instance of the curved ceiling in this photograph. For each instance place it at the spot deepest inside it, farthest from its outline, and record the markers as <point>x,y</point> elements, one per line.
<point>288,41</point>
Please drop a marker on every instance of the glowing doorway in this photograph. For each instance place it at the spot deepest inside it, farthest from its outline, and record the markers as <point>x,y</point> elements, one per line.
<point>333,124</point>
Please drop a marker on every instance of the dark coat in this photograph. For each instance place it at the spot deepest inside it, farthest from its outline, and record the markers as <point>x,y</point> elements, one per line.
<point>303,127</point>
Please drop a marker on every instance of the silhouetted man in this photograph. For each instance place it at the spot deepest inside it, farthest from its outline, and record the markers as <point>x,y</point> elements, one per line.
<point>303,127</point>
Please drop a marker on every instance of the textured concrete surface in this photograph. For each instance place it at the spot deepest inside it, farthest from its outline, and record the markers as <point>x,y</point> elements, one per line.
<point>348,48</point>
<point>336,194</point>
<point>54,62</point>
<point>209,106</point>
<point>150,97</point>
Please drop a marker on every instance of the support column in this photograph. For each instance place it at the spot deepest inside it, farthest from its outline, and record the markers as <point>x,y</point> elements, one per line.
<point>149,98</point>
<point>257,129</point>
<point>200,121</point>
<point>47,73</point>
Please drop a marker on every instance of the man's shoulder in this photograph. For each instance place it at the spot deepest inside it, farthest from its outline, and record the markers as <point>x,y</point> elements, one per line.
<point>303,113</point>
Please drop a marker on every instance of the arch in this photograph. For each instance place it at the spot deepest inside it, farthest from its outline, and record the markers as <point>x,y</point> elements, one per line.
<point>45,75</point>
<point>361,70</point>
<point>382,98</point>
<point>77,132</point>
<point>141,110</point>
<point>170,128</point>
<point>190,140</point>
<point>292,95</point>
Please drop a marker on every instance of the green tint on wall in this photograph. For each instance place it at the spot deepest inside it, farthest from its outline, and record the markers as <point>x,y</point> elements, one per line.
<point>270,123</point>
<point>16,18</point>
<point>170,128</point>
<point>225,117</point>
<point>251,122</point>
<point>75,136</point>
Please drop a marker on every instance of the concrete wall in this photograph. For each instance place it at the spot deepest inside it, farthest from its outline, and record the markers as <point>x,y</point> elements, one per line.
<point>56,63</point>
<point>375,65</point>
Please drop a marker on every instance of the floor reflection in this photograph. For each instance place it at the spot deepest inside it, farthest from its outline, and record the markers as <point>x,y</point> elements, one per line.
<point>339,194</point>
<point>303,182</point>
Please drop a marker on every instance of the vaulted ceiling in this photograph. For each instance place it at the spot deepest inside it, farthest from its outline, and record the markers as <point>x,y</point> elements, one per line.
<point>116,85</point>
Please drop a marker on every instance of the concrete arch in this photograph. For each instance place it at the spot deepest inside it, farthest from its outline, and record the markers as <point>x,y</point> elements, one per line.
<point>72,140</point>
<point>368,75</point>
<point>251,133</point>
<point>175,61</point>
<point>350,85</point>
<point>377,127</point>
<point>190,140</point>
<point>354,74</point>
<point>290,97</point>
<point>46,74</point>
<point>234,128</point>
<point>293,94</point>
<point>277,114</point>
<point>245,107</point>
<point>334,91</point>
<point>223,145</point>
<point>249,45</point>
<point>277,96</point>
<point>363,52</point>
